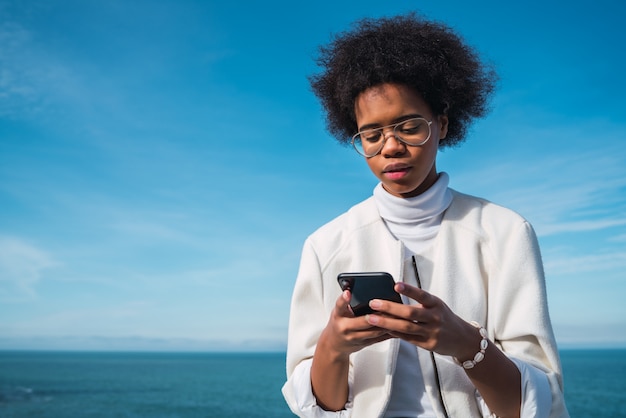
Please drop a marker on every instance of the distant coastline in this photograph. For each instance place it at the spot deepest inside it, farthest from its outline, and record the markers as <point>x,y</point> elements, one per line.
<point>238,352</point>
<point>149,344</point>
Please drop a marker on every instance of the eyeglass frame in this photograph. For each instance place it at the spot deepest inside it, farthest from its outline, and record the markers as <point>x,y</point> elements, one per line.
<point>397,137</point>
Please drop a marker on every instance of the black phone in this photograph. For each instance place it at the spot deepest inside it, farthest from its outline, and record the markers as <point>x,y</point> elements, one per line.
<point>367,286</point>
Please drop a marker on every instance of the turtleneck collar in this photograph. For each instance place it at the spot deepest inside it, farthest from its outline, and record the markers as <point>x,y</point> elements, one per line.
<point>415,220</point>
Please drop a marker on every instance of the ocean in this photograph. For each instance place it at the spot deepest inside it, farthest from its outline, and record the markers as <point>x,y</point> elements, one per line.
<point>207,385</point>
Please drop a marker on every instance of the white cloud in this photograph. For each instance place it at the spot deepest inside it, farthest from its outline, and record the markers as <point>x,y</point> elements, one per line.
<point>23,76</point>
<point>80,320</point>
<point>618,238</point>
<point>35,80</point>
<point>581,226</point>
<point>591,335</point>
<point>570,190</point>
<point>21,267</point>
<point>556,265</point>
<point>141,343</point>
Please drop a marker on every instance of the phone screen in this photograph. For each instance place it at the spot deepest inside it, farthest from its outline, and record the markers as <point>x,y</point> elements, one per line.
<point>367,286</point>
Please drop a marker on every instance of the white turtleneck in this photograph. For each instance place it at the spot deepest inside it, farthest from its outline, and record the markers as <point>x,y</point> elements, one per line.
<point>415,222</point>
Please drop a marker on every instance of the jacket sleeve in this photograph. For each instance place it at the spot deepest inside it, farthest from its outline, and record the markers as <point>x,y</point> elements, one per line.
<point>518,314</point>
<point>305,404</point>
<point>308,317</point>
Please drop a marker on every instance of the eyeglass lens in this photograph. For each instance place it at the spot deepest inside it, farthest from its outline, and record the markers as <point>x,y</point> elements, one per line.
<point>414,132</point>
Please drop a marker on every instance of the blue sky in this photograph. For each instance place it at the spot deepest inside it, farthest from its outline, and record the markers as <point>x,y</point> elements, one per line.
<point>161,163</point>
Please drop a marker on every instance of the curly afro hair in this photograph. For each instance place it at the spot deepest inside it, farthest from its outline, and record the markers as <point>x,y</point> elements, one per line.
<point>424,55</point>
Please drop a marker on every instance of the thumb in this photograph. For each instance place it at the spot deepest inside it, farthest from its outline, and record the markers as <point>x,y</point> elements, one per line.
<point>342,305</point>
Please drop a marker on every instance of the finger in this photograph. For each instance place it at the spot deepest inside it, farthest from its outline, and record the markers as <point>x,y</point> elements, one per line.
<point>380,338</point>
<point>342,305</point>
<point>399,327</point>
<point>411,313</point>
<point>370,333</point>
<point>423,297</point>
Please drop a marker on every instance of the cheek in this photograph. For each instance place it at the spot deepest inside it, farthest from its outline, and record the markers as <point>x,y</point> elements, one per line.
<point>429,153</point>
<point>373,164</point>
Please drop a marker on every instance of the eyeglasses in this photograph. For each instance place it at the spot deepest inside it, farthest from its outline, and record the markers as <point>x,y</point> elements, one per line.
<point>413,132</point>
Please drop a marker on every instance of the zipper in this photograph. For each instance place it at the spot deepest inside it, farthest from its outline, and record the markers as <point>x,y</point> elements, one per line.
<point>432,355</point>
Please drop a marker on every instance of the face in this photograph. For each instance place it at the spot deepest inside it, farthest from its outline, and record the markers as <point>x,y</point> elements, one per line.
<point>404,170</point>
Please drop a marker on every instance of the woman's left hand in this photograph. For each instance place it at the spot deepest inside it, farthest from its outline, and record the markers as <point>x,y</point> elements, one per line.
<point>430,324</point>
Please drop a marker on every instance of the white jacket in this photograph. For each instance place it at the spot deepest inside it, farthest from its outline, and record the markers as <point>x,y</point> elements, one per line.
<point>485,265</point>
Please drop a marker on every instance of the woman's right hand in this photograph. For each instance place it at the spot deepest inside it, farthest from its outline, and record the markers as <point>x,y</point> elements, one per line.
<point>344,334</point>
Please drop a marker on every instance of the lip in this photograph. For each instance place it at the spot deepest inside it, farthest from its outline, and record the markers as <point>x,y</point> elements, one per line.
<point>396,172</point>
<point>396,167</point>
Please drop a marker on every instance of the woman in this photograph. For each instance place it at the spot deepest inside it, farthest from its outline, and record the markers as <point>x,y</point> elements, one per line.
<point>473,336</point>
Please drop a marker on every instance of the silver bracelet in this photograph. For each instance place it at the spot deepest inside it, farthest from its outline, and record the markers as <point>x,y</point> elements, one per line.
<point>478,357</point>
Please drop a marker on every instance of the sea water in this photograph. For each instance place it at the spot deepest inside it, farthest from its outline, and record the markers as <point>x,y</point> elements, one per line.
<point>186,385</point>
<point>595,382</point>
<point>155,385</point>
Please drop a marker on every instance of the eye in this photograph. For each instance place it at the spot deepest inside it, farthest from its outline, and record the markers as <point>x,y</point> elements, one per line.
<point>412,127</point>
<point>372,135</point>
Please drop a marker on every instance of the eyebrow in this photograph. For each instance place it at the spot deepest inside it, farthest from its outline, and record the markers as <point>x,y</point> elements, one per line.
<point>395,121</point>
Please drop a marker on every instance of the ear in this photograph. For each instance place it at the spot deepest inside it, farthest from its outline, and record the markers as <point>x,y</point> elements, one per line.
<point>443,126</point>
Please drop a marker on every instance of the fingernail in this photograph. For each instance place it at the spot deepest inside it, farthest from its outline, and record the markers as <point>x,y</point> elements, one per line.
<point>400,287</point>
<point>375,304</point>
<point>372,319</point>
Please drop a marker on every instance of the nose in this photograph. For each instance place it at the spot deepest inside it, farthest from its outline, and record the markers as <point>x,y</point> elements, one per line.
<point>392,146</point>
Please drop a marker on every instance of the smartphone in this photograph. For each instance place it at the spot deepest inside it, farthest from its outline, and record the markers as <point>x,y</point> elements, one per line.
<point>367,286</point>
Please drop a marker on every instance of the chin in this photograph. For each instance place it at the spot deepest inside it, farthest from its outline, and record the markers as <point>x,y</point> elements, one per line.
<point>399,190</point>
